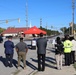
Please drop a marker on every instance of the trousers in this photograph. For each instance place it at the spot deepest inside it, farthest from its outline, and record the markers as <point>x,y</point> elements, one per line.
<point>41,62</point>
<point>9,59</point>
<point>22,55</point>
<point>59,61</point>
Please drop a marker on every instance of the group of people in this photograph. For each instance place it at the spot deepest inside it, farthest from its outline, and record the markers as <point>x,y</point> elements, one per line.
<point>21,49</point>
<point>66,47</point>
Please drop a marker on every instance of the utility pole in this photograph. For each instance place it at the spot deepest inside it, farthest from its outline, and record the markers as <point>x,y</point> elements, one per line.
<point>73,7</point>
<point>40,22</point>
<point>46,29</point>
<point>26,15</point>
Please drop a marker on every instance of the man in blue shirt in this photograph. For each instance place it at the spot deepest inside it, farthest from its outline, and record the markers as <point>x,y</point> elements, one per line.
<point>9,51</point>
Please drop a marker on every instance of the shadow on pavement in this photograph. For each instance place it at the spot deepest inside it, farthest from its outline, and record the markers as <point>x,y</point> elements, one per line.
<point>15,62</point>
<point>51,50</point>
<point>31,65</point>
<point>47,64</point>
<point>3,60</point>
<point>51,60</point>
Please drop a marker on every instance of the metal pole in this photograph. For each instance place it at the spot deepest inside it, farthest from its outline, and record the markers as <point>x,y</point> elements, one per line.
<point>26,15</point>
<point>73,7</point>
<point>46,29</point>
<point>69,30</point>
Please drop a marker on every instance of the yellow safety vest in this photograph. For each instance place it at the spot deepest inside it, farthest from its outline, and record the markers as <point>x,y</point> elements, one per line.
<point>67,46</point>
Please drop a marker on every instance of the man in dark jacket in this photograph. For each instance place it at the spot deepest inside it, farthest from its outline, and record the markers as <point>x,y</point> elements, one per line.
<point>9,51</point>
<point>41,51</point>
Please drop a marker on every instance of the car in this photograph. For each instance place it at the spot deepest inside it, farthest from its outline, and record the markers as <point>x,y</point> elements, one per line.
<point>1,39</point>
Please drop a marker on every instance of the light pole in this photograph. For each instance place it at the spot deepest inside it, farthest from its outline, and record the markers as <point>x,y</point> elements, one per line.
<point>73,7</point>
<point>9,20</point>
<point>46,29</point>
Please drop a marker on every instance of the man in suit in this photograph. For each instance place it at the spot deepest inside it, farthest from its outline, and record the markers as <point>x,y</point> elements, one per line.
<point>41,52</point>
<point>9,51</point>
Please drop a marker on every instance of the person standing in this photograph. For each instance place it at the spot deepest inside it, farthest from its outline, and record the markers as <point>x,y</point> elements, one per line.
<point>21,49</point>
<point>1,39</point>
<point>33,43</point>
<point>9,51</point>
<point>59,52</point>
<point>67,50</point>
<point>41,52</point>
<point>73,49</point>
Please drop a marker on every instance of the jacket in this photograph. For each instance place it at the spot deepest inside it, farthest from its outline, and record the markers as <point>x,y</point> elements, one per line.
<point>9,47</point>
<point>67,46</point>
<point>41,45</point>
<point>59,48</point>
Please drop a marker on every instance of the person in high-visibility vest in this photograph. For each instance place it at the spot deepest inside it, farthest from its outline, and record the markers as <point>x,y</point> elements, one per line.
<point>67,50</point>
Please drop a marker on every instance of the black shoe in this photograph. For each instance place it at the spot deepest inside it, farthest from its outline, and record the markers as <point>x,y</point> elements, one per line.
<point>10,65</point>
<point>42,70</point>
<point>6,65</point>
<point>39,69</point>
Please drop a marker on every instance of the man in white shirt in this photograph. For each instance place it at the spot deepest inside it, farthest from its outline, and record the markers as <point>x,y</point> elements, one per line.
<point>73,49</point>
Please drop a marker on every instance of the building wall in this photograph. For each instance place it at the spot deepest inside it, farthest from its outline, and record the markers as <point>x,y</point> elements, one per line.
<point>10,34</point>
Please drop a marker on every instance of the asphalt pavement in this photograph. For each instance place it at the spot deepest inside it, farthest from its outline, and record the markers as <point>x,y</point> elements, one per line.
<point>31,68</point>
<point>50,64</point>
<point>13,70</point>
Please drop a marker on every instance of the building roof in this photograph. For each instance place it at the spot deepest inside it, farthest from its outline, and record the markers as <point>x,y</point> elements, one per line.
<point>34,30</point>
<point>14,30</point>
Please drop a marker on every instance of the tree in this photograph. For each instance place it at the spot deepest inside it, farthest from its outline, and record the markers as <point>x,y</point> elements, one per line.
<point>49,32</point>
<point>66,30</point>
<point>1,30</point>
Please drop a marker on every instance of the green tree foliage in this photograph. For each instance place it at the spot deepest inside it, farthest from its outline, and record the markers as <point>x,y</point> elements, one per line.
<point>66,30</point>
<point>1,30</point>
<point>50,32</point>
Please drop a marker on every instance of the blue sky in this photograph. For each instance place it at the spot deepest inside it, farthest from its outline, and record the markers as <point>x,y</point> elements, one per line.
<point>56,13</point>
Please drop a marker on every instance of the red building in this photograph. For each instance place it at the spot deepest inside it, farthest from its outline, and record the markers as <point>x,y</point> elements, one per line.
<point>14,31</point>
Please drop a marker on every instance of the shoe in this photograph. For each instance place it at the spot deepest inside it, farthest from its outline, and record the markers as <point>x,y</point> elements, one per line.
<point>10,65</point>
<point>6,65</point>
<point>39,70</point>
<point>58,68</point>
<point>24,68</point>
<point>42,70</point>
<point>18,68</point>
